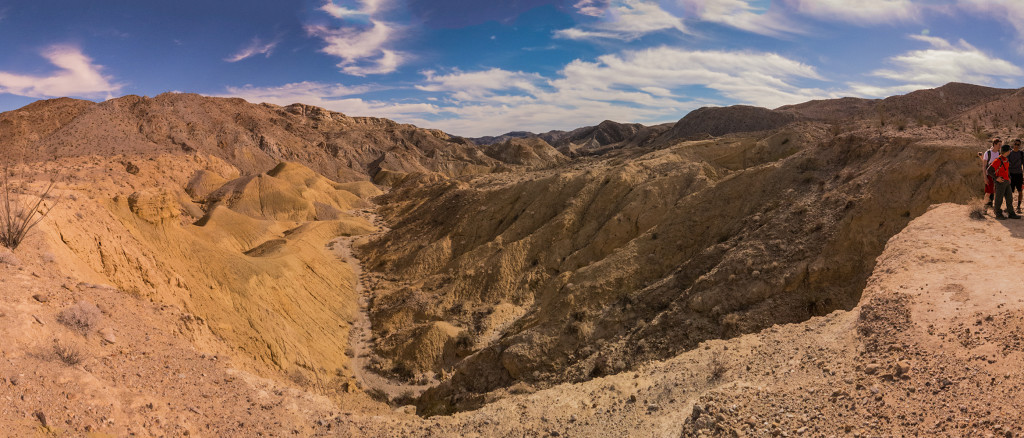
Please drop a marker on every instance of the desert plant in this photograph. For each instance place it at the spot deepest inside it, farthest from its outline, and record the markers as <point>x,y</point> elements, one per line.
<point>976,209</point>
<point>18,217</point>
<point>717,369</point>
<point>81,317</point>
<point>67,353</point>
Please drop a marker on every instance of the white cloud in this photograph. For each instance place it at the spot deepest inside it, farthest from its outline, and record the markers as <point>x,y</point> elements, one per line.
<point>480,84</point>
<point>945,62</point>
<point>622,19</point>
<point>862,12</point>
<point>363,49</point>
<point>369,8</point>
<point>749,77</point>
<point>573,33</point>
<point>646,86</point>
<point>593,8</point>
<point>335,97</point>
<point>77,76</point>
<point>640,86</point>
<point>255,47</point>
<point>742,15</point>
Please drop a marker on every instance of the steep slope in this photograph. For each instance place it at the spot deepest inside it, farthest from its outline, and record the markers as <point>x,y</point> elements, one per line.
<point>248,260</point>
<point>489,139</point>
<point>605,133</point>
<point>937,104</point>
<point>531,152</point>
<point>1002,116</point>
<point>594,268</point>
<point>718,121</point>
<point>831,109</point>
<point>933,349</point>
<point>22,128</point>
<point>252,138</point>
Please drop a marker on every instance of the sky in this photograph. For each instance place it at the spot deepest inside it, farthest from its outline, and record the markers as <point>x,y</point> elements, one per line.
<point>475,68</point>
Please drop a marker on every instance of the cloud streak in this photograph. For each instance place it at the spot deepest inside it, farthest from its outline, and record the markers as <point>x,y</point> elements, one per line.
<point>647,86</point>
<point>740,14</point>
<point>255,47</point>
<point>861,12</point>
<point>621,19</point>
<point>335,97</point>
<point>941,63</point>
<point>76,76</point>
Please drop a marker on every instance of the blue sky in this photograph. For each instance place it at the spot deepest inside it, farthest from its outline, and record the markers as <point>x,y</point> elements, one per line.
<point>476,68</point>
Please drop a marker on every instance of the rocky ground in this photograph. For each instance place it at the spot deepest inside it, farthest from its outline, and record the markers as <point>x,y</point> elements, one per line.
<point>934,349</point>
<point>218,268</point>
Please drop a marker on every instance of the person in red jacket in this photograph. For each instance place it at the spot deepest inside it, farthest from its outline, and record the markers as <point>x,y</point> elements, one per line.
<point>999,171</point>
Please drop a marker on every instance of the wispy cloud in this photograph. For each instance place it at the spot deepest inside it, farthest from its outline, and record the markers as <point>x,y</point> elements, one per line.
<point>741,14</point>
<point>335,97</point>
<point>255,47</point>
<point>942,63</point>
<point>593,8</point>
<point>861,12</point>
<point>76,76</point>
<point>647,86</point>
<point>644,86</point>
<point>480,84</point>
<point>363,45</point>
<point>621,19</point>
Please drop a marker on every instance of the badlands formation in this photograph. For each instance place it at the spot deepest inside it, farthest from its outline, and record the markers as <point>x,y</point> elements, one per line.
<point>214,267</point>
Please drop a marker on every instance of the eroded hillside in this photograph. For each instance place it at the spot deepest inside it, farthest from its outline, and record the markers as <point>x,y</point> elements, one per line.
<point>496,272</point>
<point>597,267</point>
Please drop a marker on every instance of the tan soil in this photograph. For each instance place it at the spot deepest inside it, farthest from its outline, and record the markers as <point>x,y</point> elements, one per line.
<point>361,355</point>
<point>718,287</point>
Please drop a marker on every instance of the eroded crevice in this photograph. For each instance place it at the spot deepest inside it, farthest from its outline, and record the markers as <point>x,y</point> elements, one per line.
<point>603,283</point>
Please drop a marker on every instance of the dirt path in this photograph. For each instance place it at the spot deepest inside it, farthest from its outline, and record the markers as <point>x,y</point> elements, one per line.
<point>360,338</point>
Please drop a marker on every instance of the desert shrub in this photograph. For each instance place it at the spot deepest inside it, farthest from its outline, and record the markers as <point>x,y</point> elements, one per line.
<point>299,377</point>
<point>717,369</point>
<point>976,209</point>
<point>67,353</point>
<point>407,397</point>
<point>17,216</point>
<point>378,394</point>
<point>82,317</point>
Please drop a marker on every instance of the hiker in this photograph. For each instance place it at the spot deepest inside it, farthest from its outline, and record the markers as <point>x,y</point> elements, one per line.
<point>999,172</point>
<point>986,160</point>
<point>1016,158</point>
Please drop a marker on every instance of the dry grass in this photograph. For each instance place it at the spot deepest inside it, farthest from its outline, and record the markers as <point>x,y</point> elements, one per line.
<point>976,209</point>
<point>718,369</point>
<point>67,353</point>
<point>17,216</point>
<point>82,317</point>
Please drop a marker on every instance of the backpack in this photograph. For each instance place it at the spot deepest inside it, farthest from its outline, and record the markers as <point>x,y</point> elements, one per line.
<point>1000,166</point>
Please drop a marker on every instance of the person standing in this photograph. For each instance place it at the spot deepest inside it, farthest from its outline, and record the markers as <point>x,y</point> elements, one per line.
<point>986,160</point>
<point>999,171</point>
<point>1016,159</point>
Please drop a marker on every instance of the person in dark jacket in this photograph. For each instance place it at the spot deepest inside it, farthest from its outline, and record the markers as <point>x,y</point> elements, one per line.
<point>999,171</point>
<point>1016,159</point>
